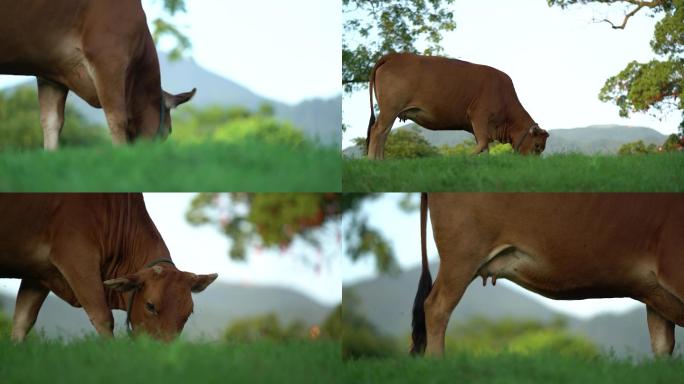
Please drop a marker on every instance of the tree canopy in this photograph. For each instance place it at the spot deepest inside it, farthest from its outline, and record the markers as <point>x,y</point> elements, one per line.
<point>276,220</point>
<point>372,28</point>
<point>654,87</point>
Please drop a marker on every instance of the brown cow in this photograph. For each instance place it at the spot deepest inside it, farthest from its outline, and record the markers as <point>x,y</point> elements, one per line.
<point>563,246</point>
<point>99,252</point>
<point>101,50</point>
<point>447,94</point>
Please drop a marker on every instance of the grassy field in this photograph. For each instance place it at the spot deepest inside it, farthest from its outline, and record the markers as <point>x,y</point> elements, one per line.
<point>249,166</point>
<point>512,368</point>
<point>144,361</point>
<point>556,173</point>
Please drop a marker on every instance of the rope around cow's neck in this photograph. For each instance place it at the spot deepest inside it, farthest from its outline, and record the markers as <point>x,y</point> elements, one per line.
<point>129,307</point>
<point>527,132</point>
<point>161,114</point>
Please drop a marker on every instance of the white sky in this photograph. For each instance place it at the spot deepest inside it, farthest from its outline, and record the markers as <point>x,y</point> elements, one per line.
<point>558,60</point>
<point>403,230</point>
<point>284,50</point>
<point>205,250</point>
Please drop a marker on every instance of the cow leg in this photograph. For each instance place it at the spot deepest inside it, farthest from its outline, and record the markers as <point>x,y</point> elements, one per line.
<point>29,300</point>
<point>80,268</point>
<point>661,331</point>
<point>52,98</point>
<point>378,136</point>
<point>110,84</point>
<point>480,130</point>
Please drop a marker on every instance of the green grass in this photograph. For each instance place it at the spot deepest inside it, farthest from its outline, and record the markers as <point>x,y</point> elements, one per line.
<point>513,368</point>
<point>144,361</point>
<point>248,166</point>
<point>513,173</point>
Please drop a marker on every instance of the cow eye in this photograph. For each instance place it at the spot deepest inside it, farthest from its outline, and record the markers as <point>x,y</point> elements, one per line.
<point>150,308</point>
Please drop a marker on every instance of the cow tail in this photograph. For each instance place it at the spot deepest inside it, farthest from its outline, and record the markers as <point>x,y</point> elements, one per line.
<point>371,85</point>
<point>419,332</point>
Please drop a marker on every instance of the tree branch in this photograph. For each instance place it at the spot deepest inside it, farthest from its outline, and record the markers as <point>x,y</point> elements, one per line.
<point>640,4</point>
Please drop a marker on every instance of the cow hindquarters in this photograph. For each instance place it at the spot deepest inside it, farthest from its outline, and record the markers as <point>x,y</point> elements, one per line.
<point>52,98</point>
<point>661,331</point>
<point>29,300</point>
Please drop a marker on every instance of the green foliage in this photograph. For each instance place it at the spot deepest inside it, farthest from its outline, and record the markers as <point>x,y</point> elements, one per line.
<point>636,148</point>
<point>275,220</point>
<point>513,173</point>
<point>145,361</point>
<point>265,327</point>
<point>333,327</point>
<point>20,128</point>
<point>672,143</point>
<point>163,27</point>
<point>265,219</point>
<point>464,148</point>
<point>233,125</point>
<point>404,144</point>
<point>484,336</point>
<point>373,28</point>
<point>360,338</point>
<point>655,86</point>
<point>248,165</point>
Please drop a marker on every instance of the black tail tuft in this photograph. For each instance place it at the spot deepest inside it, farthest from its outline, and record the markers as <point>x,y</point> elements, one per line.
<point>419,332</point>
<point>370,125</point>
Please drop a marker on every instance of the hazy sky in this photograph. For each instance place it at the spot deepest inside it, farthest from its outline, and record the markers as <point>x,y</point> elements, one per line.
<point>558,60</point>
<point>284,50</point>
<point>205,250</point>
<point>403,230</point>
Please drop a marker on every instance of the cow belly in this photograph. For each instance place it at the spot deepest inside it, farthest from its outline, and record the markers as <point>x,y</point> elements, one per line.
<point>536,273</point>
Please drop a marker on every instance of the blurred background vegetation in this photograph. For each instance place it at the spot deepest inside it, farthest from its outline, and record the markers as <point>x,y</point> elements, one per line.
<point>475,336</point>
<point>20,127</point>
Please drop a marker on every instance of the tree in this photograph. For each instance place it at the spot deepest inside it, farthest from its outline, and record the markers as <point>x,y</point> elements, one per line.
<point>654,86</point>
<point>276,220</point>
<point>636,148</point>
<point>372,28</point>
<point>162,27</point>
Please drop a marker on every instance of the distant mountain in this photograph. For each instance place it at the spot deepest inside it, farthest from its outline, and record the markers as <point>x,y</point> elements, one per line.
<point>387,302</point>
<point>214,310</point>
<point>318,118</point>
<point>593,139</point>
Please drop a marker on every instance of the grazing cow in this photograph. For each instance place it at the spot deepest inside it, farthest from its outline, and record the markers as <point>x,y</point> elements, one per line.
<point>99,252</point>
<point>563,246</point>
<point>101,50</point>
<point>446,94</point>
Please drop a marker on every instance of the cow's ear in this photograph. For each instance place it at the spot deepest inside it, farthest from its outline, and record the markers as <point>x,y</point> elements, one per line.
<point>201,282</point>
<point>123,284</point>
<point>172,101</point>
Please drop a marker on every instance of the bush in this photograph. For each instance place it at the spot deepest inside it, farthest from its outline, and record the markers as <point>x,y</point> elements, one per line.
<point>234,124</point>
<point>360,338</point>
<point>20,123</point>
<point>637,147</point>
<point>264,327</point>
<point>484,336</point>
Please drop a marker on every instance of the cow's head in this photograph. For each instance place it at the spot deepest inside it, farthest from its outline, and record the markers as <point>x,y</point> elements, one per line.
<point>534,142</point>
<point>162,300</point>
<point>155,119</point>
<point>171,102</point>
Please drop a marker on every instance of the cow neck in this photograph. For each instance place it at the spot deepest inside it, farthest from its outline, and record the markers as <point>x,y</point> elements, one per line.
<point>131,242</point>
